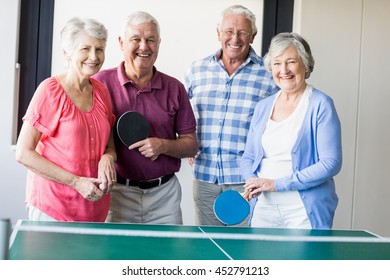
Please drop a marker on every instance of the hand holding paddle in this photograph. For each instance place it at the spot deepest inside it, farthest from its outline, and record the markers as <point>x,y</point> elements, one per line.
<point>231,207</point>
<point>132,127</point>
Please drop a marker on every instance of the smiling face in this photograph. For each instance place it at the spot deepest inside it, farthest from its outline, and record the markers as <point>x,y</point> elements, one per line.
<point>140,47</point>
<point>235,35</point>
<point>288,71</point>
<point>87,56</point>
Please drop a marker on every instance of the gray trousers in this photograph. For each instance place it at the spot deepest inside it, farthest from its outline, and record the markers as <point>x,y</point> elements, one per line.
<point>158,205</point>
<point>204,195</point>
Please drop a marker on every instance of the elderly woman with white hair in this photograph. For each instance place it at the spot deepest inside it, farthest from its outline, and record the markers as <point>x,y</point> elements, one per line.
<point>66,141</point>
<point>293,148</point>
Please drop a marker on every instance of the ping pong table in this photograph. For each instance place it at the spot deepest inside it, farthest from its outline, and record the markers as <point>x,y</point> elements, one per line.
<point>113,241</point>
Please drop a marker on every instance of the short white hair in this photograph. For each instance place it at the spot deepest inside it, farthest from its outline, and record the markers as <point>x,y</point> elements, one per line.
<point>137,18</point>
<point>281,42</point>
<point>76,25</point>
<point>238,10</point>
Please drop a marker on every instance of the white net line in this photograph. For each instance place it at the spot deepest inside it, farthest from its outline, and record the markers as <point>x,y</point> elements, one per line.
<point>198,235</point>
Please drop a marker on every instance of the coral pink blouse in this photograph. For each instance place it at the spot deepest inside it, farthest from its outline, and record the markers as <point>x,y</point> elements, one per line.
<point>74,140</point>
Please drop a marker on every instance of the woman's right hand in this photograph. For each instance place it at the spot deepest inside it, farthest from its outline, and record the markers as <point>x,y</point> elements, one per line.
<point>254,186</point>
<point>87,187</point>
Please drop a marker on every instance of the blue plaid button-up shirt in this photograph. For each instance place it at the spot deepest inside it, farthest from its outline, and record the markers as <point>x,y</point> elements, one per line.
<point>223,106</point>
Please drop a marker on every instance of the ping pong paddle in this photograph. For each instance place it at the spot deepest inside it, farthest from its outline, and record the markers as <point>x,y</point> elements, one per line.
<point>132,127</point>
<point>231,207</point>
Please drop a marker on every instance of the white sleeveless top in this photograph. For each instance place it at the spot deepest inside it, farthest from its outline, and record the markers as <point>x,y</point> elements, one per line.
<point>278,140</point>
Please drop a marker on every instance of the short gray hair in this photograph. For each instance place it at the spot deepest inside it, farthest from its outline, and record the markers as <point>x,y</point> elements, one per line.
<point>281,42</point>
<point>238,10</point>
<point>137,18</point>
<point>76,25</point>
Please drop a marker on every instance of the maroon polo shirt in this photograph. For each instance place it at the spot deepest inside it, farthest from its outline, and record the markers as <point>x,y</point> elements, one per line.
<point>165,104</point>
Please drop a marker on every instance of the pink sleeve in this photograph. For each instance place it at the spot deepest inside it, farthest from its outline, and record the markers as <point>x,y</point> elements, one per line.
<point>44,110</point>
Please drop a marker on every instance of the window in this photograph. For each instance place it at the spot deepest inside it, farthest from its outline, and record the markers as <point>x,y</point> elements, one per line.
<point>35,45</point>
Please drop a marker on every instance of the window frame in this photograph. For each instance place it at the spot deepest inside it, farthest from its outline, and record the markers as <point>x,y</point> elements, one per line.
<point>35,50</point>
<point>277,18</point>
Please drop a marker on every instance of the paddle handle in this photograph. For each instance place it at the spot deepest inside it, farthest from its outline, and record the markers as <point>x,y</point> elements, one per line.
<point>245,195</point>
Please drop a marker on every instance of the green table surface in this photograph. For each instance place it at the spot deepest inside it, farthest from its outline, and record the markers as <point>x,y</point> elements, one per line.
<point>111,241</point>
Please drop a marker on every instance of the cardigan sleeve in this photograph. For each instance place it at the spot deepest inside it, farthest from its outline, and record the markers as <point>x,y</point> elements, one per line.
<point>317,156</point>
<point>248,157</point>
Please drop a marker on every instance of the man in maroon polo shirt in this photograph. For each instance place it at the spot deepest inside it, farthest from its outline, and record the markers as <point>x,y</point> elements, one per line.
<point>147,190</point>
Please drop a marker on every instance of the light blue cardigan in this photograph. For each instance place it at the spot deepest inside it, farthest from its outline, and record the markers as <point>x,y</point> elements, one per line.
<point>316,157</point>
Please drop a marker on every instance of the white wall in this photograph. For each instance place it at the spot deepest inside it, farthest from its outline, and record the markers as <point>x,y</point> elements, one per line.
<point>350,42</point>
<point>188,28</point>
<point>372,181</point>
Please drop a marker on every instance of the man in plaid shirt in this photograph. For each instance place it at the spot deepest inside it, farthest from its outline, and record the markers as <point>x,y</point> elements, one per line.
<point>224,89</point>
